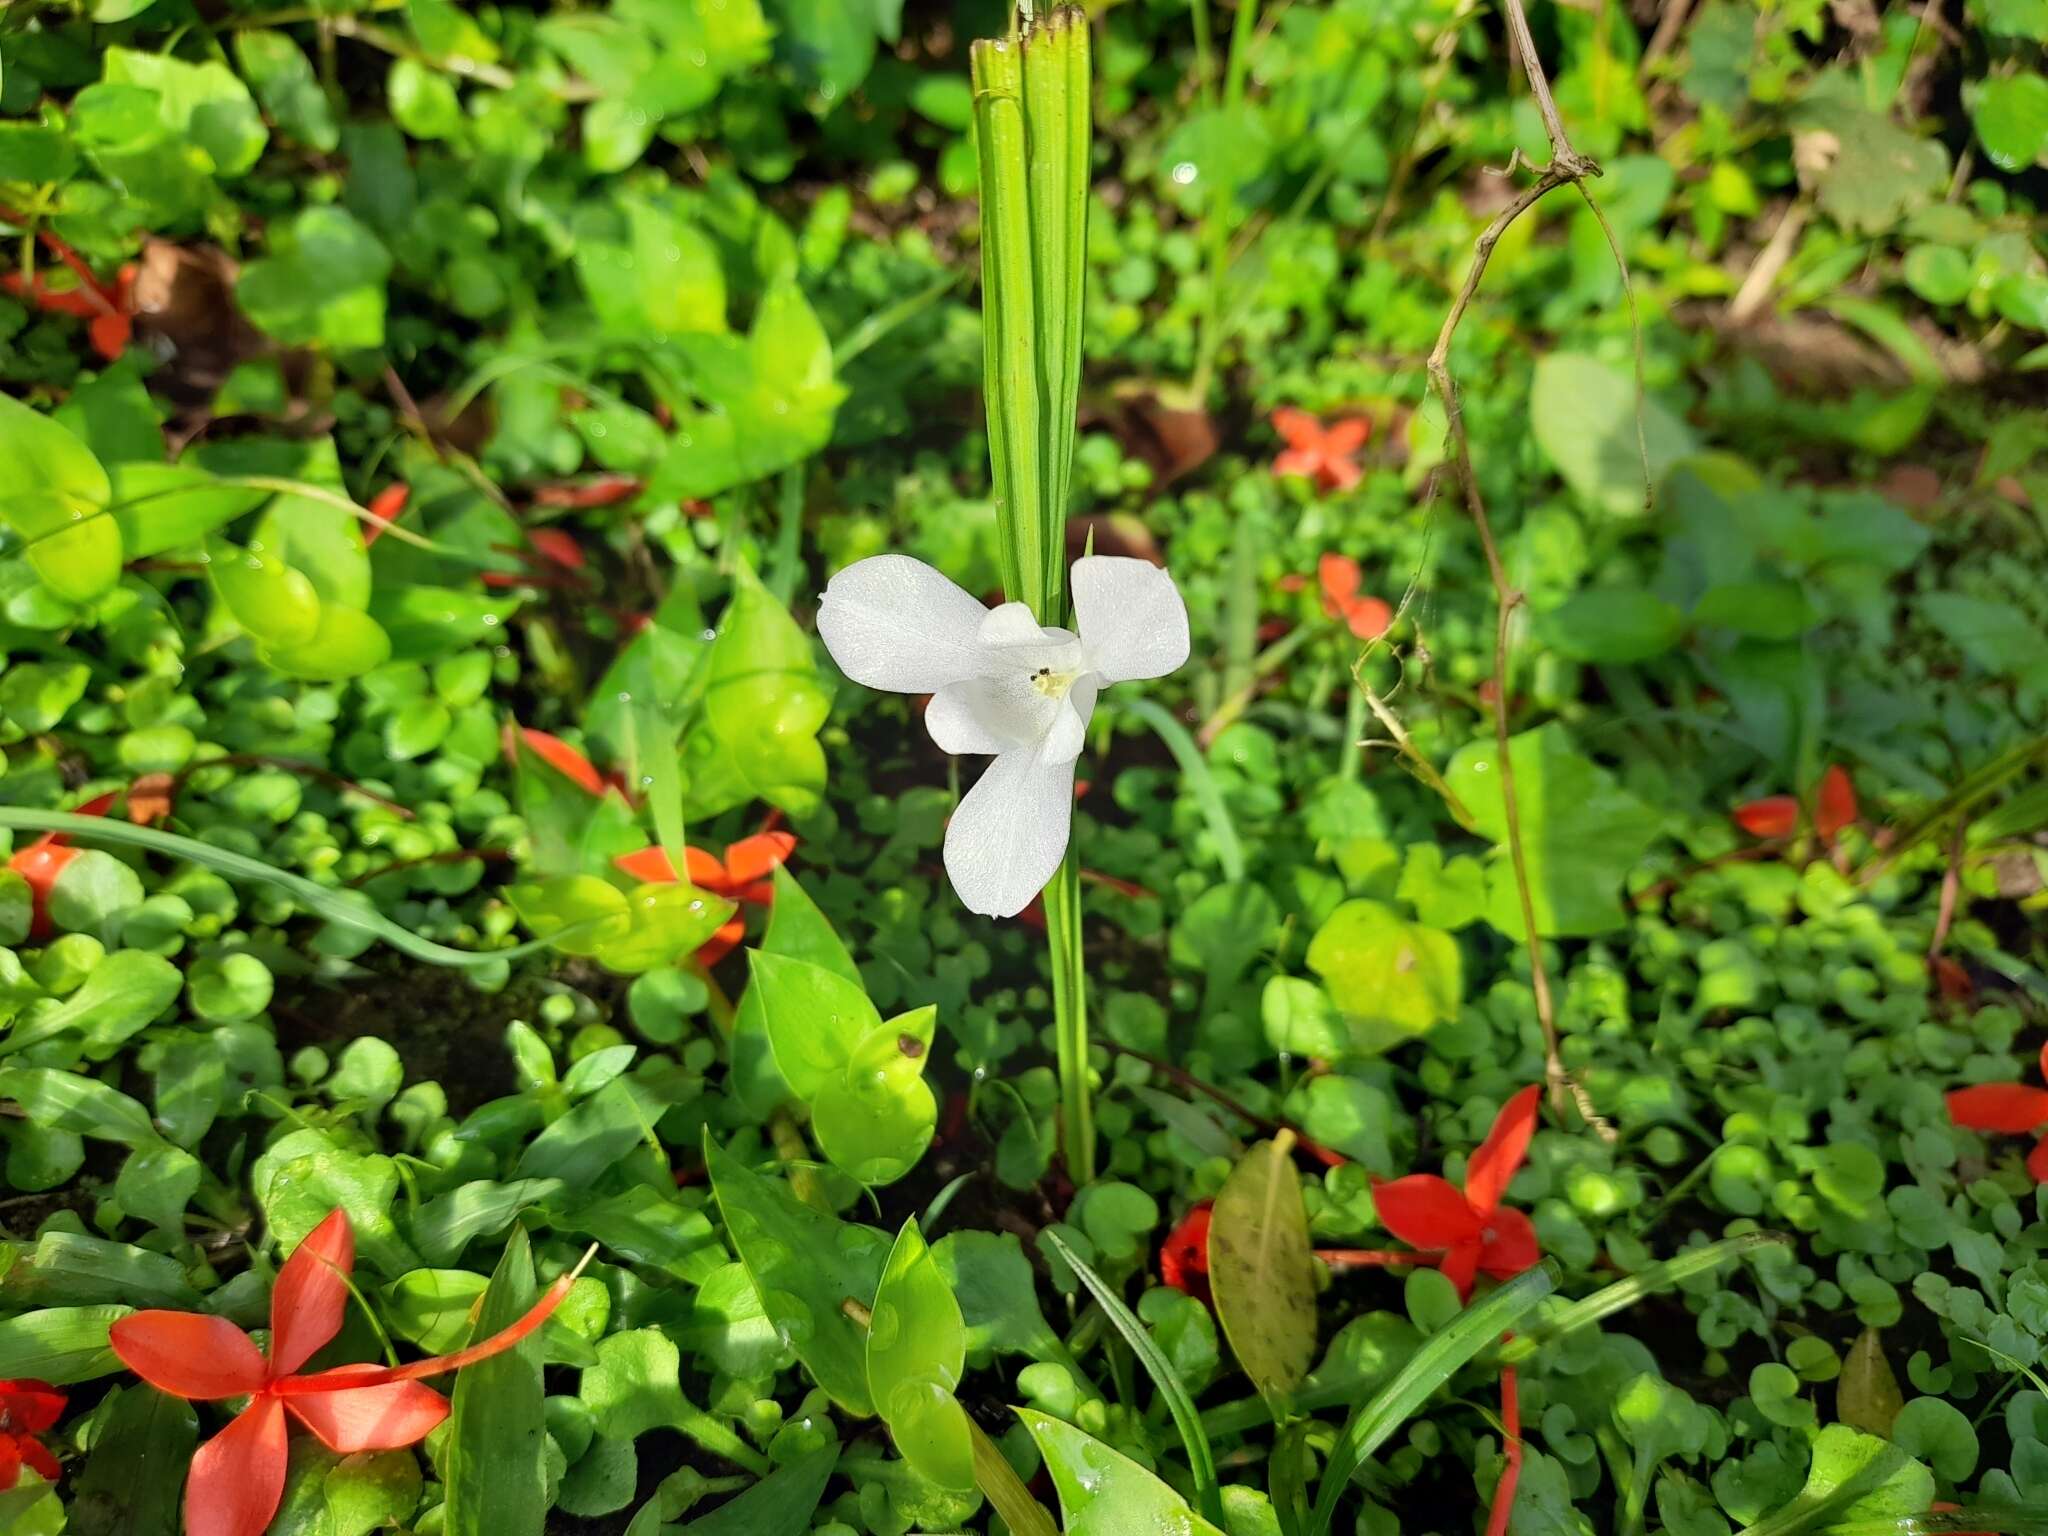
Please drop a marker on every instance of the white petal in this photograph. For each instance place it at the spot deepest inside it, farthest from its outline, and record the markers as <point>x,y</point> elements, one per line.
<point>1069,731</point>
<point>964,720</point>
<point>893,622</point>
<point>1006,710</point>
<point>1010,833</point>
<point>1131,617</point>
<point>1011,624</point>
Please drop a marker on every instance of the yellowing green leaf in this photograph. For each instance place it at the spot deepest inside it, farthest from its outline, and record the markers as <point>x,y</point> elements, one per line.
<point>1261,1271</point>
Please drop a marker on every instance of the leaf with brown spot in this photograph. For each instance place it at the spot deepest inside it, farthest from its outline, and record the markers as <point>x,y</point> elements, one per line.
<point>1867,1395</point>
<point>1261,1271</point>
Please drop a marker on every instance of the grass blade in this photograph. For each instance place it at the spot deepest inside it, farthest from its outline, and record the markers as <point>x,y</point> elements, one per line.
<point>1626,1293</point>
<point>1201,1462</point>
<point>1434,1364</point>
<point>1201,783</point>
<point>339,907</point>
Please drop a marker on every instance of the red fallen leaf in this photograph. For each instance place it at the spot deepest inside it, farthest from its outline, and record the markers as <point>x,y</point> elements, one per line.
<point>1327,455</point>
<point>1470,1227</point>
<point>1835,804</point>
<point>1952,980</point>
<point>1511,1449</point>
<point>108,309</point>
<point>28,1408</point>
<point>385,507</point>
<point>1772,816</point>
<point>604,491</point>
<point>1184,1256</point>
<point>237,1478</point>
<point>43,860</point>
<point>2010,1108</point>
<point>558,546</point>
<point>561,757</point>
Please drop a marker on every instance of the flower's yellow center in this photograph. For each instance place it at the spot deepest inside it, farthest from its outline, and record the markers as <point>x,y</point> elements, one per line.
<point>1054,685</point>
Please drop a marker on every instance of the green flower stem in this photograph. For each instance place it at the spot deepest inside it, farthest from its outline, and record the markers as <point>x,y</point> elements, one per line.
<point>1033,124</point>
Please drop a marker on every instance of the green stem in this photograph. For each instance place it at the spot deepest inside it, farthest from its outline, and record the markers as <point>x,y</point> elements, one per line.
<point>1070,1019</point>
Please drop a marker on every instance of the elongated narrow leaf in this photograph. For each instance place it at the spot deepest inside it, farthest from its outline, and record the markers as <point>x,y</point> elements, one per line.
<point>1005,1490</point>
<point>1374,1420</point>
<point>1201,1463</point>
<point>1261,1271</point>
<point>494,1467</point>
<point>1626,1293</point>
<point>781,1504</point>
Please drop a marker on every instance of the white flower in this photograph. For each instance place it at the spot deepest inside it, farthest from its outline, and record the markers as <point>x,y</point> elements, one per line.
<point>1001,684</point>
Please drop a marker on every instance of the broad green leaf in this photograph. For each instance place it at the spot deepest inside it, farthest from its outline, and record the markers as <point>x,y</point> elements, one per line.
<point>130,1482</point>
<point>876,1117</point>
<point>1853,1476</point>
<point>797,930</point>
<point>998,1295</point>
<point>781,1504</point>
<point>66,1101</point>
<point>433,1307</point>
<point>283,77</point>
<point>168,506</point>
<point>307,1173</point>
<point>1390,978</point>
<point>666,921</point>
<point>1581,831</point>
<point>449,1222</point>
<point>806,1265</point>
<point>54,486</point>
<point>1609,624</point>
<point>763,704</point>
<point>576,913</point>
<point>815,1018</point>
<point>636,1384</point>
<point>321,284</point>
<point>647,270</point>
<point>497,1428</point>
<point>70,1269</point>
<point>274,603</point>
<point>1582,413</point>
<point>345,643</point>
<point>124,992</point>
<point>1261,1272</point>
<point>916,1351</point>
<point>205,105</point>
<point>1103,1492</point>
<point>590,1138</point>
<point>60,1344</point>
<point>2011,116</point>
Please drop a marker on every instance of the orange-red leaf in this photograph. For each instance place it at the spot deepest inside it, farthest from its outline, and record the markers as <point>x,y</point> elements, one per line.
<point>373,1418</point>
<point>1835,805</point>
<point>307,1302</point>
<point>237,1478</point>
<point>564,759</point>
<point>1500,1155</point>
<point>1772,816</point>
<point>1999,1107</point>
<point>1426,1211</point>
<point>189,1354</point>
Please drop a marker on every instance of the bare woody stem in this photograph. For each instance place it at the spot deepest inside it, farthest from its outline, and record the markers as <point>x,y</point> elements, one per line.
<point>1567,167</point>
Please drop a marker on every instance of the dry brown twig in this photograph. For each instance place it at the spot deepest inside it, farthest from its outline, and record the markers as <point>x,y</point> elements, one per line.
<point>1567,167</point>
